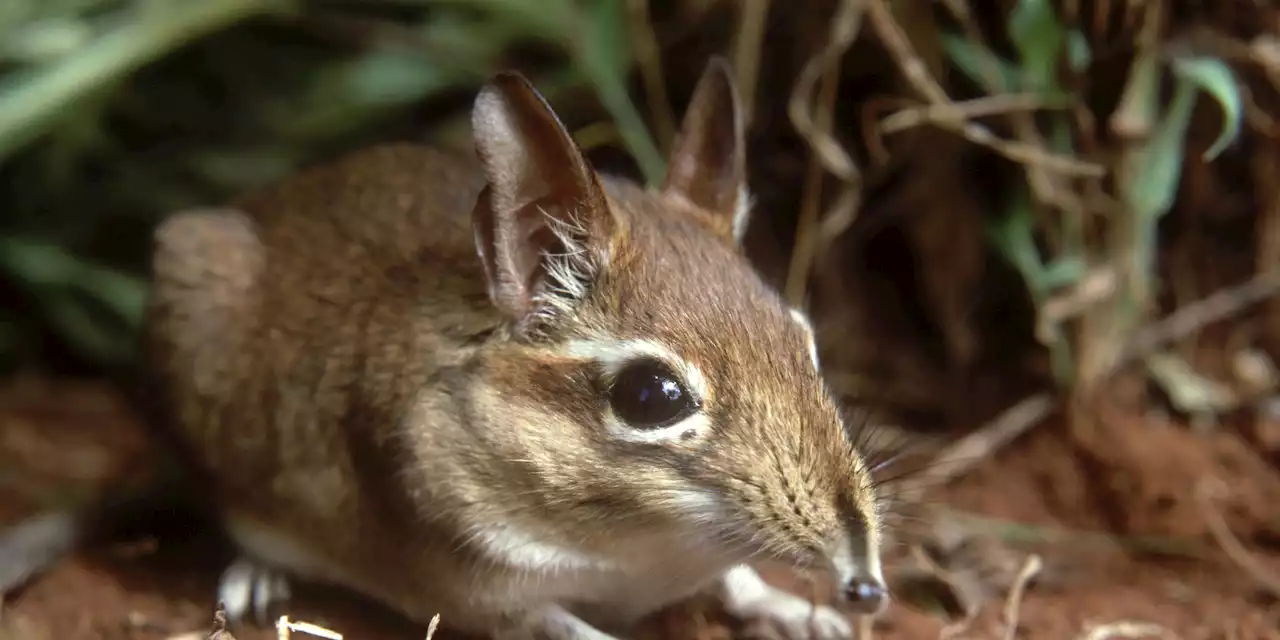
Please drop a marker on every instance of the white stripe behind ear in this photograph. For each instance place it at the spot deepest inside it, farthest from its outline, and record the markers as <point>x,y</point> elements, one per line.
<point>742,214</point>
<point>800,319</point>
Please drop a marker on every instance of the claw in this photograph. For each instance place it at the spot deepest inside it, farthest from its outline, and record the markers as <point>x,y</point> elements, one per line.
<point>246,585</point>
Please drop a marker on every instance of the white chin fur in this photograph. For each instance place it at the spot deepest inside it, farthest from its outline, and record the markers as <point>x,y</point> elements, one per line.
<point>518,548</point>
<point>803,321</point>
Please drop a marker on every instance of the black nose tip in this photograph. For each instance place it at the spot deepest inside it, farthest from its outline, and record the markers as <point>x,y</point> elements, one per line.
<point>866,596</point>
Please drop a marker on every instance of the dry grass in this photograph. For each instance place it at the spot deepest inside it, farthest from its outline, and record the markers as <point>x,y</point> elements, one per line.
<point>1096,170</point>
<point>1110,202</point>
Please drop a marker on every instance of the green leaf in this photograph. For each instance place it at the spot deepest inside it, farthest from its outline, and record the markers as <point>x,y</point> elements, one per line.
<point>601,47</point>
<point>345,96</point>
<point>1060,139</point>
<point>1154,184</point>
<point>1061,142</point>
<point>83,328</point>
<point>44,40</point>
<point>49,270</point>
<point>1079,56</point>
<point>979,62</point>
<point>1014,237</point>
<point>546,19</point>
<point>1061,272</point>
<point>33,105</point>
<point>1214,77</point>
<point>35,264</point>
<point>608,38</point>
<point>124,295</point>
<point>243,169</point>
<point>1035,31</point>
<point>391,78</point>
<point>66,290</point>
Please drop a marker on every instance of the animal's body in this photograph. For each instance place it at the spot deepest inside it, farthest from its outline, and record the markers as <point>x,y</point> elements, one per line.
<point>505,389</point>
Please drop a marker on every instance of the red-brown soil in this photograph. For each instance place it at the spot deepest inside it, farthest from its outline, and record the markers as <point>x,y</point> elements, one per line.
<point>1123,476</point>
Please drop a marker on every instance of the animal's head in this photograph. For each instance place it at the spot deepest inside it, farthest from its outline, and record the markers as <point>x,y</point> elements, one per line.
<point>653,386</point>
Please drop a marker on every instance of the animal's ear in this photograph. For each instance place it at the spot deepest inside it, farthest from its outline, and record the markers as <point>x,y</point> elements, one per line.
<point>708,161</point>
<point>542,225</point>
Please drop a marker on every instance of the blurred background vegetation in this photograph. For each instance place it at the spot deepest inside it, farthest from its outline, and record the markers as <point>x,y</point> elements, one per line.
<point>975,200</point>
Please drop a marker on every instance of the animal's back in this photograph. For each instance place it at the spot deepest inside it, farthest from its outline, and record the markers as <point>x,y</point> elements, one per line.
<point>290,334</point>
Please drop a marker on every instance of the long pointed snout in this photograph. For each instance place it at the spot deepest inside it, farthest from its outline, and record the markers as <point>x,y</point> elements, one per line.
<point>855,561</point>
<point>861,584</point>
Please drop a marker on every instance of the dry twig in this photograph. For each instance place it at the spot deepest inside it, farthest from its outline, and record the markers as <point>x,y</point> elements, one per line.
<point>968,593</point>
<point>746,59</point>
<point>969,109</point>
<point>1124,629</point>
<point>1047,187</point>
<point>981,444</point>
<point>813,119</point>
<point>1013,604</point>
<point>805,113</point>
<point>1206,491</point>
<point>285,629</point>
<point>899,46</point>
<point>1098,285</point>
<point>1218,306</point>
<point>917,74</point>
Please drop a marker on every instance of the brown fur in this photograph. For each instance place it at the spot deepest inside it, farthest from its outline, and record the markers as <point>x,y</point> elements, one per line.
<point>349,372</point>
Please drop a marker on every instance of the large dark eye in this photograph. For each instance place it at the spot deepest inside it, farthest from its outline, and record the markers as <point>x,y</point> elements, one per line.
<point>647,395</point>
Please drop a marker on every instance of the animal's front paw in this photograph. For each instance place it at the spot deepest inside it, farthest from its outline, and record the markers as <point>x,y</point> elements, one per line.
<point>552,622</point>
<point>797,619</point>
<point>748,596</point>
<point>246,585</point>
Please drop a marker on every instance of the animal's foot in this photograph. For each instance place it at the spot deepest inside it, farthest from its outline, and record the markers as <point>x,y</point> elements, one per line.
<point>247,586</point>
<point>548,623</point>
<point>797,619</point>
<point>748,596</point>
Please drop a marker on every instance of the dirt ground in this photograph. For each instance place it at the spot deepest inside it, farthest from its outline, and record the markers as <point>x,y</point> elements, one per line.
<point>1126,477</point>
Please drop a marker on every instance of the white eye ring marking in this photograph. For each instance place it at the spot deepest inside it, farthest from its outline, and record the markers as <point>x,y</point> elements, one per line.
<point>613,355</point>
<point>803,321</point>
